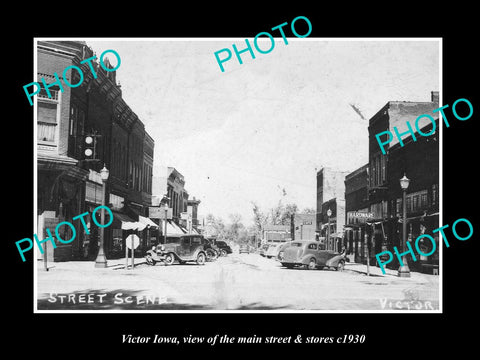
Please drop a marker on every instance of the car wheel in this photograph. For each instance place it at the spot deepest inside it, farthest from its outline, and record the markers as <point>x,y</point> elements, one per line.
<point>341,266</point>
<point>312,264</point>
<point>223,252</point>
<point>210,255</point>
<point>169,259</point>
<point>201,259</point>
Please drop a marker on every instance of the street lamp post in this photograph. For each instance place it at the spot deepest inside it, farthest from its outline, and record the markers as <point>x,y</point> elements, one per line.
<point>165,232</point>
<point>329,213</point>
<point>101,261</point>
<point>165,200</point>
<point>403,270</point>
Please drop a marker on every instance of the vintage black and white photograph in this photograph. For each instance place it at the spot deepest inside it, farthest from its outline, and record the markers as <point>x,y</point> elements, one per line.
<point>213,175</point>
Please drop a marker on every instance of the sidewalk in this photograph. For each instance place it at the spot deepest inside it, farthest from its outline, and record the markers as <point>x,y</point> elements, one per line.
<point>376,271</point>
<point>112,264</point>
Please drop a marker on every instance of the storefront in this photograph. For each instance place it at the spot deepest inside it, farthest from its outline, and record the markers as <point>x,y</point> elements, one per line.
<point>416,226</point>
<point>59,198</point>
<point>357,232</point>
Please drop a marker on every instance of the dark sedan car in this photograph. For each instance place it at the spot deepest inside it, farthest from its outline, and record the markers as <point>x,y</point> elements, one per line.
<point>223,248</point>
<point>308,255</point>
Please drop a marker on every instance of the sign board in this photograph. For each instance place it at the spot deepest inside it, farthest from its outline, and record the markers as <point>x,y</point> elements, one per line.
<point>158,212</point>
<point>132,240</point>
<point>185,216</point>
<point>358,214</point>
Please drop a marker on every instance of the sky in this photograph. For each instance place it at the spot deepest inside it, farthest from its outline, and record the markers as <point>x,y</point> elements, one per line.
<point>260,131</point>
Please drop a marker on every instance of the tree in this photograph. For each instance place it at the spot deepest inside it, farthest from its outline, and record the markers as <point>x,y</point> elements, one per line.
<point>259,219</point>
<point>215,227</point>
<point>309,211</point>
<point>288,211</point>
<point>276,214</point>
<point>235,226</point>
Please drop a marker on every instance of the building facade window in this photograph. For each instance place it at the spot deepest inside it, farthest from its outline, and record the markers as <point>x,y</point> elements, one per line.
<point>93,192</point>
<point>434,194</point>
<point>116,202</point>
<point>378,173</point>
<point>47,122</point>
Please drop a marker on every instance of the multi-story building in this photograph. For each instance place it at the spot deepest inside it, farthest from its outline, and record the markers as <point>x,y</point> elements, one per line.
<point>192,209</point>
<point>59,177</point>
<point>419,161</point>
<point>330,196</point>
<point>184,212</point>
<point>357,213</point>
<point>93,109</point>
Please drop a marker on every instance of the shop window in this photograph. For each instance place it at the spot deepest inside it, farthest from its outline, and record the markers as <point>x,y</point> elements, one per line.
<point>117,240</point>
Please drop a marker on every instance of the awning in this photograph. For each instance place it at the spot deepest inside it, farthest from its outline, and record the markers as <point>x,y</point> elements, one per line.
<point>400,219</point>
<point>147,221</point>
<point>172,229</point>
<point>119,218</point>
<point>125,222</point>
<point>179,227</point>
<point>134,225</point>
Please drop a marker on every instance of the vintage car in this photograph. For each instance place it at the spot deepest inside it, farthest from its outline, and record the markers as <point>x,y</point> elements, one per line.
<point>263,249</point>
<point>273,249</point>
<point>223,248</point>
<point>211,250</point>
<point>181,248</point>
<point>307,254</point>
<point>244,249</point>
<point>155,254</point>
<point>281,250</point>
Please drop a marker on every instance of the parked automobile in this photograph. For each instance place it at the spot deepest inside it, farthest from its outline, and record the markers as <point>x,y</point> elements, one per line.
<point>183,248</point>
<point>244,249</point>
<point>273,250</point>
<point>223,247</point>
<point>155,254</point>
<point>307,254</point>
<point>281,251</point>
<point>263,249</point>
<point>211,250</point>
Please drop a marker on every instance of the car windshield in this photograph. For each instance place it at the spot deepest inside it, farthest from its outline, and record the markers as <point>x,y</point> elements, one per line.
<point>221,243</point>
<point>173,240</point>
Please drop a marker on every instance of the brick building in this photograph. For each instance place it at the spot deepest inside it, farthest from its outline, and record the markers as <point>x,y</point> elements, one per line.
<point>95,108</point>
<point>59,178</point>
<point>357,213</point>
<point>419,161</point>
<point>330,196</point>
<point>171,182</point>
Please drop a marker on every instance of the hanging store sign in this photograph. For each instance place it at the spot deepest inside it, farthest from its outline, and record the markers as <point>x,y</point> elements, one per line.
<point>158,212</point>
<point>361,215</point>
